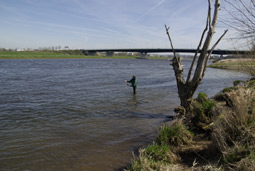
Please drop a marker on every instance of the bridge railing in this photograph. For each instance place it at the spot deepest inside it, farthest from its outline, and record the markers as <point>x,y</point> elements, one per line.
<point>144,52</point>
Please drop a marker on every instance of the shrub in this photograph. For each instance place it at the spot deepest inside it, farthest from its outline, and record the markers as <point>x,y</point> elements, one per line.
<point>200,120</point>
<point>247,164</point>
<point>251,83</point>
<point>248,66</point>
<point>241,158</point>
<point>154,157</point>
<point>228,89</point>
<point>237,82</point>
<point>202,113</point>
<point>206,104</point>
<point>234,130</point>
<point>201,97</point>
<point>236,154</point>
<point>143,163</point>
<point>158,152</point>
<point>175,135</point>
<point>219,97</point>
<point>71,52</point>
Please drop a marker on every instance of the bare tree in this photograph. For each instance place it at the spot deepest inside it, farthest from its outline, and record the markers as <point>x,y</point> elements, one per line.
<point>186,89</point>
<point>241,17</point>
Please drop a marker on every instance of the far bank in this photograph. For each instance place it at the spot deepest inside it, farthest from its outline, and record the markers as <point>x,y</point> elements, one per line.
<point>53,55</point>
<point>239,64</point>
<point>66,54</point>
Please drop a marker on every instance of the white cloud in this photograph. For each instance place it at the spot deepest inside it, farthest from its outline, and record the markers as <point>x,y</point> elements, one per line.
<point>108,23</point>
<point>150,10</point>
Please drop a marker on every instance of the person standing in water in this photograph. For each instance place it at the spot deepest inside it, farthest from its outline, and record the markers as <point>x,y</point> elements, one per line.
<point>133,82</point>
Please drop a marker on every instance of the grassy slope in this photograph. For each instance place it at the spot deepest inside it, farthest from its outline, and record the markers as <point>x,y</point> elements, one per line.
<point>233,63</point>
<point>239,64</point>
<point>222,138</point>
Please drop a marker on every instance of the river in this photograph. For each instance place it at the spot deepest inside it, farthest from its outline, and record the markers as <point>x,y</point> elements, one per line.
<point>79,114</point>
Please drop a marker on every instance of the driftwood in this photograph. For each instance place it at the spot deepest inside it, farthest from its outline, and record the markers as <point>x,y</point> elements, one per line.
<point>186,89</point>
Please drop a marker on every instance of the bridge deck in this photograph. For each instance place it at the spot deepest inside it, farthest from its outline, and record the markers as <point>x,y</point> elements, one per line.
<point>145,51</point>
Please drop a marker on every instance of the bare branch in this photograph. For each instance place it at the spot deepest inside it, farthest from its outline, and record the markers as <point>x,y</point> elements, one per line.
<point>202,58</point>
<point>212,49</point>
<point>170,40</point>
<point>209,13</point>
<point>242,17</point>
<point>216,13</point>
<point>248,11</point>
<point>176,62</point>
<point>214,46</point>
<point>201,40</point>
<point>187,89</point>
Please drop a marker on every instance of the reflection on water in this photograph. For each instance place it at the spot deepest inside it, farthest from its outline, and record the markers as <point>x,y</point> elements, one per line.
<point>77,114</point>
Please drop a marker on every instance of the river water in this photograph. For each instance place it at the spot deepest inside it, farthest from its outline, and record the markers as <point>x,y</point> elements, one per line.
<point>79,114</point>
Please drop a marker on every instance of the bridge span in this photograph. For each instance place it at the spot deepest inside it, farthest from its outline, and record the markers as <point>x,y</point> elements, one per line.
<point>144,52</point>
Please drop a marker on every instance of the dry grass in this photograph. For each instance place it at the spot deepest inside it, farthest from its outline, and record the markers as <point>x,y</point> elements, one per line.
<point>229,145</point>
<point>239,64</point>
<point>146,164</point>
<point>175,135</point>
<point>248,66</point>
<point>163,155</point>
<point>234,128</point>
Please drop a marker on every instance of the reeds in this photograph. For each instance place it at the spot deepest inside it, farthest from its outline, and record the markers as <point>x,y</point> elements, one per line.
<point>161,155</point>
<point>234,128</point>
<point>222,137</point>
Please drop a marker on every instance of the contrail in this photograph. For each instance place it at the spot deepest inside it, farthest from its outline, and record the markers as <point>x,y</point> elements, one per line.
<point>147,12</point>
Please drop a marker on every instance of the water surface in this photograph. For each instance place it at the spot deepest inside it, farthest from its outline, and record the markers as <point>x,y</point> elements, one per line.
<point>79,114</point>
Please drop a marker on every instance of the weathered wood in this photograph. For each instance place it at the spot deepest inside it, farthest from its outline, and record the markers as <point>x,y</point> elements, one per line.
<point>187,89</point>
<point>200,43</point>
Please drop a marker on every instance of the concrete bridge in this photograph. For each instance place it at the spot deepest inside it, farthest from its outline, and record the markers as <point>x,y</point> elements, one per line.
<point>144,52</point>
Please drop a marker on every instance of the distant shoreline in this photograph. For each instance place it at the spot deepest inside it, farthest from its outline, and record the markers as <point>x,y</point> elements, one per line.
<point>53,55</point>
<point>61,55</point>
<point>239,64</point>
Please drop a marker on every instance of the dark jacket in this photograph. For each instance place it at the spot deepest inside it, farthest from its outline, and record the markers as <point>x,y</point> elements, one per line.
<point>133,82</point>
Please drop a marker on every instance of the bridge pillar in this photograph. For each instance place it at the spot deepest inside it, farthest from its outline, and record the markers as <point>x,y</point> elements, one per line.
<point>143,55</point>
<point>221,56</point>
<point>84,52</point>
<point>110,53</point>
<point>92,53</point>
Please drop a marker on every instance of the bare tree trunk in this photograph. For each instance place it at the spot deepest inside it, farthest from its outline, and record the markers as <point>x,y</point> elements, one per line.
<point>186,89</point>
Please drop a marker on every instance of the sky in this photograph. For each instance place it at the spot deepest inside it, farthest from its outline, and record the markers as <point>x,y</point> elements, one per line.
<point>100,24</point>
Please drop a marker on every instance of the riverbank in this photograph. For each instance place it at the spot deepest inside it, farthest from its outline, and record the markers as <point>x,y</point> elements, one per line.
<point>218,135</point>
<point>54,55</point>
<point>65,54</point>
<point>239,64</point>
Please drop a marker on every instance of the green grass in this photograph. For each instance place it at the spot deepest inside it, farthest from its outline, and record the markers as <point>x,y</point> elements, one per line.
<point>160,155</point>
<point>251,83</point>
<point>237,82</point>
<point>52,55</point>
<point>225,64</point>
<point>206,103</point>
<point>232,65</point>
<point>237,154</point>
<point>165,58</point>
<point>202,97</point>
<point>158,152</point>
<point>228,89</point>
<point>174,135</point>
